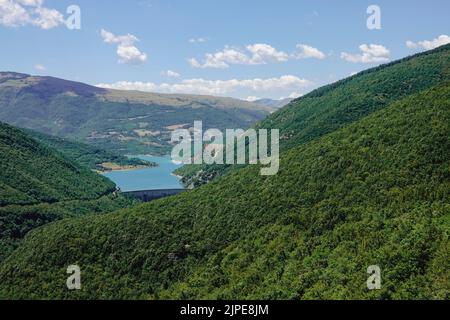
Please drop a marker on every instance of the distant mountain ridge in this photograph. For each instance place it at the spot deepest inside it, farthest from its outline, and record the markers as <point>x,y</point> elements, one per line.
<point>128,122</point>
<point>274,103</point>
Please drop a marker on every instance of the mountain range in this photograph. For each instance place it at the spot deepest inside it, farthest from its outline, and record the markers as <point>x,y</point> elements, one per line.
<point>334,106</point>
<point>126,122</point>
<point>363,181</point>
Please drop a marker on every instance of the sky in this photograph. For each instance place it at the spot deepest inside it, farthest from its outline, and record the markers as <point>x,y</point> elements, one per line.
<point>245,49</point>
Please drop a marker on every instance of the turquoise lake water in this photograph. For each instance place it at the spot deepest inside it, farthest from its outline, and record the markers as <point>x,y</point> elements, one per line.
<point>160,177</point>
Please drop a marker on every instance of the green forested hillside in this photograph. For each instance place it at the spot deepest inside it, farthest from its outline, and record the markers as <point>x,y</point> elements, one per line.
<point>39,185</point>
<point>31,173</point>
<point>87,155</point>
<point>334,106</point>
<point>375,192</point>
<point>127,122</point>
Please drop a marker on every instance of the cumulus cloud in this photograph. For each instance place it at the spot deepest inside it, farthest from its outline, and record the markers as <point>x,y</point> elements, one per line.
<point>263,53</point>
<point>126,50</point>
<point>221,59</point>
<point>216,87</point>
<point>372,53</point>
<point>170,74</point>
<point>254,54</point>
<point>18,13</point>
<point>295,95</point>
<point>429,44</point>
<point>308,52</point>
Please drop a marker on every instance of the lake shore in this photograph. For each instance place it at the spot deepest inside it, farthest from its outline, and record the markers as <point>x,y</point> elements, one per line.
<point>113,167</point>
<point>146,178</point>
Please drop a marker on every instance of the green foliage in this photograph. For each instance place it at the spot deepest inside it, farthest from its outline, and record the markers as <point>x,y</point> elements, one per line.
<point>374,192</point>
<point>38,185</point>
<point>85,154</point>
<point>17,220</point>
<point>32,173</point>
<point>336,105</point>
<point>365,181</point>
<point>126,122</point>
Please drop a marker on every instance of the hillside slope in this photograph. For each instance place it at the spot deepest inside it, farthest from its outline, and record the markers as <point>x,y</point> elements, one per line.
<point>373,193</point>
<point>39,185</point>
<point>129,122</point>
<point>334,106</point>
<point>87,155</point>
<point>31,173</point>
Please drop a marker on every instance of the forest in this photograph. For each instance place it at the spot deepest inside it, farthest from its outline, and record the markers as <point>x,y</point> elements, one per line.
<point>334,106</point>
<point>39,185</point>
<point>364,180</point>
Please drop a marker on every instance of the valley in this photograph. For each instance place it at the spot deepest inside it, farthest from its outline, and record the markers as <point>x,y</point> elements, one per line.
<point>39,185</point>
<point>126,122</point>
<point>363,180</point>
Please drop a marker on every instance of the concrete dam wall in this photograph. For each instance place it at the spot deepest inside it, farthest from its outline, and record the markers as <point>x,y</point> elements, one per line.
<point>150,195</point>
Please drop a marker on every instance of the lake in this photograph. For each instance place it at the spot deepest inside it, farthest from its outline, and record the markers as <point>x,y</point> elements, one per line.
<point>155,178</point>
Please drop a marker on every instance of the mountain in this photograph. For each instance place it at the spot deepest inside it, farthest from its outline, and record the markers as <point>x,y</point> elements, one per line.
<point>39,185</point>
<point>31,173</point>
<point>276,104</point>
<point>369,188</point>
<point>87,155</point>
<point>336,105</point>
<point>128,122</point>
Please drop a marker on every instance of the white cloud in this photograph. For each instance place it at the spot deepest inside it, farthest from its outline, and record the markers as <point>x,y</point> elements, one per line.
<point>126,50</point>
<point>412,45</point>
<point>254,54</point>
<point>252,98</point>
<point>295,95</point>
<point>221,59</point>
<point>18,13</point>
<point>353,73</point>
<point>40,67</point>
<point>372,53</point>
<point>170,74</point>
<point>429,44</point>
<point>198,40</point>
<point>263,53</point>
<point>287,83</point>
<point>308,52</point>
<point>48,18</point>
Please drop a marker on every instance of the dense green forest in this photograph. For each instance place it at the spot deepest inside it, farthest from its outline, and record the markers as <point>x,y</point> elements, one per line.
<point>126,122</point>
<point>86,154</point>
<point>334,106</point>
<point>32,173</point>
<point>39,185</point>
<point>367,184</point>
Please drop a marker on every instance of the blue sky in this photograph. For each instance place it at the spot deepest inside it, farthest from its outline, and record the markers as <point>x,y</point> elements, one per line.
<point>256,48</point>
